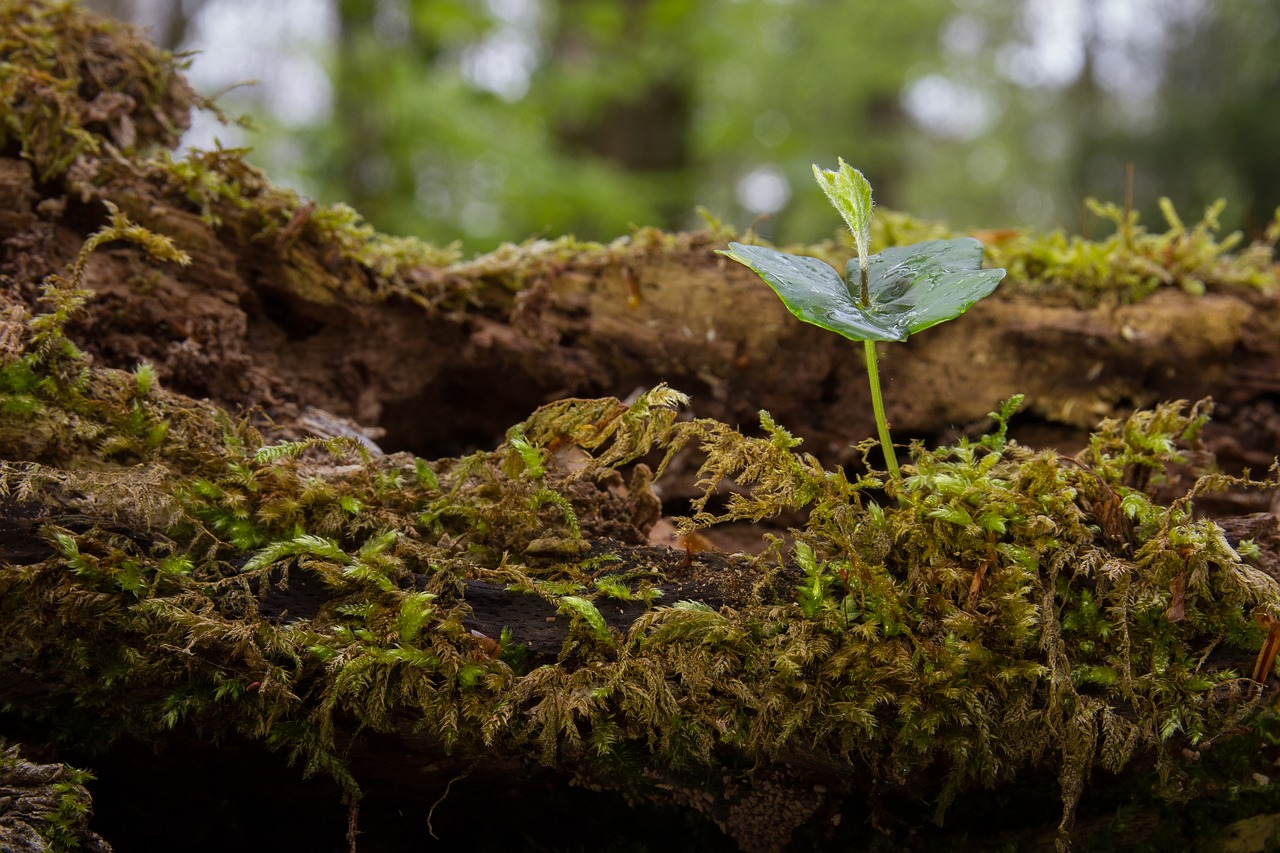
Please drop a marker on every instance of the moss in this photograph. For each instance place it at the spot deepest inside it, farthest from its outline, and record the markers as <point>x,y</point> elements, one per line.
<point>997,610</point>
<point>79,91</point>
<point>326,252</point>
<point>1125,265</point>
<point>386,256</point>
<point>1004,606</point>
<point>71,81</point>
<point>1133,262</point>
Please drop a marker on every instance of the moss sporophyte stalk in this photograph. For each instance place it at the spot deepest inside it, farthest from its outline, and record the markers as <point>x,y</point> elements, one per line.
<point>884,297</point>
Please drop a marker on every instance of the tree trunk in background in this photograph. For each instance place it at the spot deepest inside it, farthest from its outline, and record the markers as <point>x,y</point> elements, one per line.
<point>360,158</point>
<point>168,22</point>
<point>642,130</point>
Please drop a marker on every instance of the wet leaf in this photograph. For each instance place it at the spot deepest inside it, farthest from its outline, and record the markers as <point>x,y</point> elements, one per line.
<point>911,287</point>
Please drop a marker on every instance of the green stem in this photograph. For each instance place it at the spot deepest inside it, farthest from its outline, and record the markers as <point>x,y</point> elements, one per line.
<point>877,405</point>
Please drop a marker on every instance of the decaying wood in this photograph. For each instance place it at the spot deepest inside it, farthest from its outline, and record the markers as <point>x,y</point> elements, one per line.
<point>279,321</point>
<point>233,331</point>
<point>35,796</point>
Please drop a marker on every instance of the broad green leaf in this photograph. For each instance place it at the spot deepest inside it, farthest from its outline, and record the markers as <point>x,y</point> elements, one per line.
<point>928,283</point>
<point>811,290</point>
<point>911,287</point>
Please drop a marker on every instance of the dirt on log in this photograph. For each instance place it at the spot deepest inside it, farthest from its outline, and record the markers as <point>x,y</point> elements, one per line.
<point>277,488</point>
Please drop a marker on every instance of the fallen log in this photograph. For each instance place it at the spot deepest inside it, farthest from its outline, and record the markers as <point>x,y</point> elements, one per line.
<point>205,548</point>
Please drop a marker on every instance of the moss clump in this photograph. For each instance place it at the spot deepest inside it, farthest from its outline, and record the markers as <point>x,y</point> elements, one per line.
<point>1006,607</point>
<point>70,81</point>
<point>325,253</point>
<point>1133,262</point>
<point>79,91</point>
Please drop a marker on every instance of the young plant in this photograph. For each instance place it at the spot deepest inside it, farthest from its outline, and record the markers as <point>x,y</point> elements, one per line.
<point>884,297</point>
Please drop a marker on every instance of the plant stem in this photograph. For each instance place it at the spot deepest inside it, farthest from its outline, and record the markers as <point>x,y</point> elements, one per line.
<point>877,405</point>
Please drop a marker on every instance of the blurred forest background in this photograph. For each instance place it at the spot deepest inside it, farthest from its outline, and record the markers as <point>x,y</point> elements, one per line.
<point>486,121</point>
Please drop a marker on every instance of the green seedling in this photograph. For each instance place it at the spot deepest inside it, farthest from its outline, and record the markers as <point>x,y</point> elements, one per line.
<point>884,297</point>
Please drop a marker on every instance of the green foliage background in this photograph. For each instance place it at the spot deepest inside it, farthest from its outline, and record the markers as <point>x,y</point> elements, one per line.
<point>638,111</point>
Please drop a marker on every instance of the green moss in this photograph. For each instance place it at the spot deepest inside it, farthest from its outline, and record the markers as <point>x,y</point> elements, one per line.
<point>1004,606</point>
<point>327,252</point>
<point>997,610</point>
<point>77,88</point>
<point>388,257</point>
<point>70,81</point>
<point>64,828</point>
<point>1132,262</point>
<point>1125,264</point>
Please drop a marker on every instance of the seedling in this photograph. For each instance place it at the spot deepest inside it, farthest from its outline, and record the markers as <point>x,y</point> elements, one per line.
<point>884,297</point>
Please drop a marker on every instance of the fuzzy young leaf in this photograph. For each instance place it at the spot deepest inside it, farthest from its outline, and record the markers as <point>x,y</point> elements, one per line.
<point>911,287</point>
<point>850,194</point>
